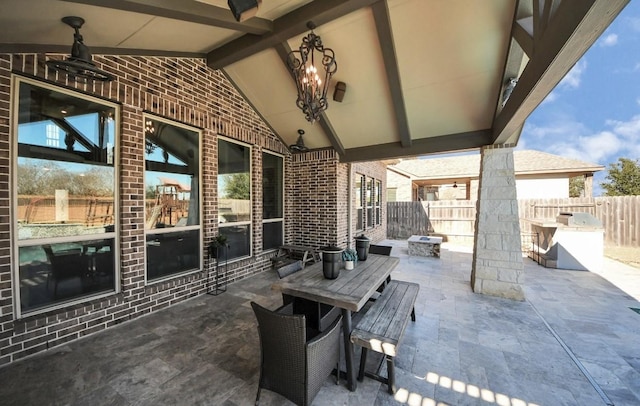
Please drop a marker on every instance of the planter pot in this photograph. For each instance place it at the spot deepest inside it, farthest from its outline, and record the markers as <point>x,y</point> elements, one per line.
<point>362,247</point>
<point>218,252</point>
<point>331,261</point>
<point>348,265</point>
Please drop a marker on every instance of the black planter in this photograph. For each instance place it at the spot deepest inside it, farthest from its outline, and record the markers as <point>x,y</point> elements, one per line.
<point>362,246</point>
<point>331,261</point>
<point>218,251</point>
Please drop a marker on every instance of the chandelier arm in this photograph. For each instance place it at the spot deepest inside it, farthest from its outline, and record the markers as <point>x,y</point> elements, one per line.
<point>312,86</point>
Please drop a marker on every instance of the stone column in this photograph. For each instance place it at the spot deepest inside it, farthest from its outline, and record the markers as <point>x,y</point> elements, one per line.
<point>497,268</point>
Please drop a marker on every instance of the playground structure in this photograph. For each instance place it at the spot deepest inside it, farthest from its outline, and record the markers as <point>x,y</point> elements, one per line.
<point>170,206</point>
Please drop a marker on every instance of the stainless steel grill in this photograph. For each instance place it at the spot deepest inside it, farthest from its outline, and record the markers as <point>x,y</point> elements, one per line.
<point>578,219</point>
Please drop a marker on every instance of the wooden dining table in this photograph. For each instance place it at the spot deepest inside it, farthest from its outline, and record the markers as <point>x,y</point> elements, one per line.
<point>349,292</point>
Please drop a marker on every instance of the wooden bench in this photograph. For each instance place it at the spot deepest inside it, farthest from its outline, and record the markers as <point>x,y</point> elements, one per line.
<point>382,327</point>
<point>288,254</point>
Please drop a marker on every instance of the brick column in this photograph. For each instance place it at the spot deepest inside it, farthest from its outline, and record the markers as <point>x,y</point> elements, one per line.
<point>497,268</point>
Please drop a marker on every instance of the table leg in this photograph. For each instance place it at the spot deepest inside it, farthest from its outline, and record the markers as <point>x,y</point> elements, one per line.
<point>348,350</point>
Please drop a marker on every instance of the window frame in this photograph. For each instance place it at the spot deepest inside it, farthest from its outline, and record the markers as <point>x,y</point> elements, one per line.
<point>17,243</point>
<point>360,205</point>
<point>251,214</point>
<point>181,229</point>
<point>275,219</point>
<point>369,206</point>
<point>377,204</point>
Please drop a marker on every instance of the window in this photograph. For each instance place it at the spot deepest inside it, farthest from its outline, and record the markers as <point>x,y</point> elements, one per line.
<point>65,189</point>
<point>172,198</point>
<point>359,202</point>
<point>234,197</point>
<point>392,194</point>
<point>370,187</point>
<point>272,201</point>
<point>378,202</point>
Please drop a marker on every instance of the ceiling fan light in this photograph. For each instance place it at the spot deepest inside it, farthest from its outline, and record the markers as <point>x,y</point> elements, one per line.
<point>79,65</point>
<point>299,145</point>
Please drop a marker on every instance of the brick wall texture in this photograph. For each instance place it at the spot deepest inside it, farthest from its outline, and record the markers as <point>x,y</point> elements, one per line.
<point>187,91</point>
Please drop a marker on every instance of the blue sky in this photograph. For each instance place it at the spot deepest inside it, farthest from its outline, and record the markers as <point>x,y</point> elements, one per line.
<point>594,112</point>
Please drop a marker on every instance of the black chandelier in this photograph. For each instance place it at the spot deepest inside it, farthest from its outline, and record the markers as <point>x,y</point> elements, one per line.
<point>80,64</point>
<point>312,84</point>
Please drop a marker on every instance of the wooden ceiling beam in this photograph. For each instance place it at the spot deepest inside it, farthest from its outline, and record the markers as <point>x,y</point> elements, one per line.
<point>575,26</point>
<point>444,143</point>
<point>285,27</point>
<point>191,11</point>
<point>385,39</point>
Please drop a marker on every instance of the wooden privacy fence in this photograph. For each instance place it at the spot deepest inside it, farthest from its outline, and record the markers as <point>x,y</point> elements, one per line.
<point>455,219</point>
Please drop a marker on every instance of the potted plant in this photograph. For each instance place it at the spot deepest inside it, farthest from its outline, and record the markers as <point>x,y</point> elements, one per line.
<point>218,245</point>
<point>350,257</point>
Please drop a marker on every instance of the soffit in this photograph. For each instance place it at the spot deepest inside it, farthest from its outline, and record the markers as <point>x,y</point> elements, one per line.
<point>423,76</point>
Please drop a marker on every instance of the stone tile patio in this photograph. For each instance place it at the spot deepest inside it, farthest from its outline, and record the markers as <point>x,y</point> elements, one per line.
<point>574,341</point>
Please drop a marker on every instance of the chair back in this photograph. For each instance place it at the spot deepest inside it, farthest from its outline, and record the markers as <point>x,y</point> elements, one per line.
<point>283,352</point>
<point>290,363</point>
<point>380,249</point>
<point>289,269</point>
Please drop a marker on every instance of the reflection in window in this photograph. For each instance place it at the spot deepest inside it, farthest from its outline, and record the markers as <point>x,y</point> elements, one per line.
<point>370,203</point>
<point>172,198</point>
<point>234,197</point>
<point>65,194</point>
<point>272,201</point>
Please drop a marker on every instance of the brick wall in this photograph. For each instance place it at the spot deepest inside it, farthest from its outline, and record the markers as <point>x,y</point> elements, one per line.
<point>378,171</point>
<point>180,89</point>
<point>313,217</point>
<point>319,192</point>
<point>184,90</point>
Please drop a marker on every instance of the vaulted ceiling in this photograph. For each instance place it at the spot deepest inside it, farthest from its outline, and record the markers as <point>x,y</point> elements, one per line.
<point>422,76</point>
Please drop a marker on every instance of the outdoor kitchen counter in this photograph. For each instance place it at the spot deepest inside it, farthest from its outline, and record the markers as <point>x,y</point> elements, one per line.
<point>551,223</point>
<point>572,241</point>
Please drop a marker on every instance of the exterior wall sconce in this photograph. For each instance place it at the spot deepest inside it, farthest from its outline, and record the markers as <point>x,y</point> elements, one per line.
<point>307,65</point>
<point>455,185</point>
<point>338,93</point>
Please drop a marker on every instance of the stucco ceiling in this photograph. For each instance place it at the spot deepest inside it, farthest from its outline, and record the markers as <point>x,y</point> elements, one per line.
<point>422,76</point>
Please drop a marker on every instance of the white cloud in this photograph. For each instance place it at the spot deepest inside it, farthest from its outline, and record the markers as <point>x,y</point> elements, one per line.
<point>634,23</point>
<point>609,40</point>
<point>573,77</point>
<point>629,132</point>
<point>565,136</point>
<point>593,148</point>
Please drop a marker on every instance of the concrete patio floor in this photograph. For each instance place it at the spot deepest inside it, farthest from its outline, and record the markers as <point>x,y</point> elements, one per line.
<point>574,341</point>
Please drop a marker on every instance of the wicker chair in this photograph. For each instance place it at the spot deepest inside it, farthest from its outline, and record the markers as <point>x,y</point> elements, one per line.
<point>319,315</point>
<point>380,250</point>
<point>290,364</point>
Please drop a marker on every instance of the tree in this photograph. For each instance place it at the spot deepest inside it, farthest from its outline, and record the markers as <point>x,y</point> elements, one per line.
<point>623,178</point>
<point>576,186</point>
<point>237,186</point>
